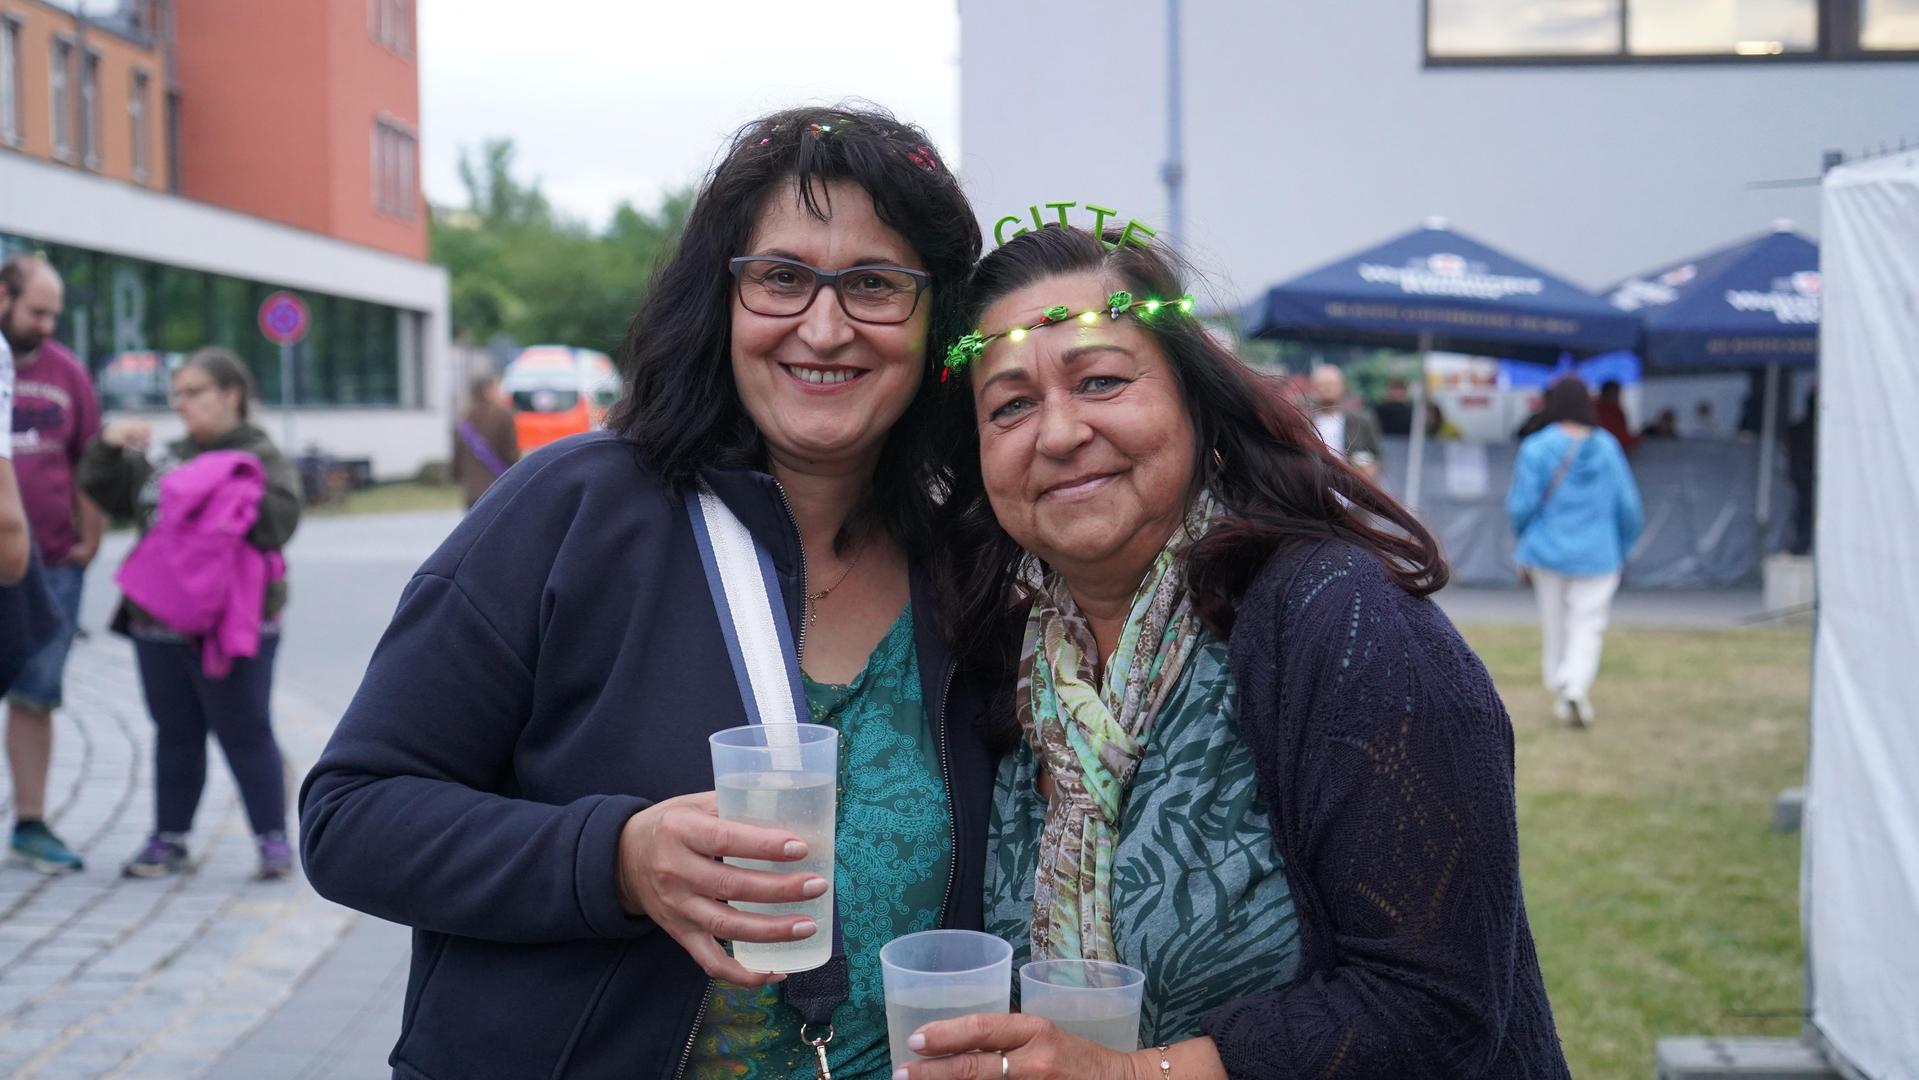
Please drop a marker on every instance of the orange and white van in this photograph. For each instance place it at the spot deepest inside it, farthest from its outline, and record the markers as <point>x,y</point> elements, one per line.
<point>556,391</point>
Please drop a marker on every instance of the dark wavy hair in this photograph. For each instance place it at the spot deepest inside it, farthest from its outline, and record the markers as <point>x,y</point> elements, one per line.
<point>1568,399</point>
<point>1260,455</point>
<point>680,405</point>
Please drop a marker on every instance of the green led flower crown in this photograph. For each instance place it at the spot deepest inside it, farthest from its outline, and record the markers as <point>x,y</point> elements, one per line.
<point>969,347</point>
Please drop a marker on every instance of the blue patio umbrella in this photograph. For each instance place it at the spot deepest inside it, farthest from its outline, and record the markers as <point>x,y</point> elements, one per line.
<point>1434,288</point>
<point>1752,305</point>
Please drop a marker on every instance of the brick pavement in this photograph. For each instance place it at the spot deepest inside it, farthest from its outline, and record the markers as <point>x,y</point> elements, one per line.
<point>103,976</point>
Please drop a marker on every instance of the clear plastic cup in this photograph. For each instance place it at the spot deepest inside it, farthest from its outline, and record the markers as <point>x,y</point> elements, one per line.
<point>782,776</point>
<point>1096,1000</point>
<point>939,975</point>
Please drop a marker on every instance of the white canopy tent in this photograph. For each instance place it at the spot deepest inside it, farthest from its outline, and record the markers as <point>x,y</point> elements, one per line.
<point>1860,878</point>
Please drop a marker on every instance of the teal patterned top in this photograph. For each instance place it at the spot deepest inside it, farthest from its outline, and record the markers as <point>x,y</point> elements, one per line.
<point>1200,901</point>
<point>891,857</point>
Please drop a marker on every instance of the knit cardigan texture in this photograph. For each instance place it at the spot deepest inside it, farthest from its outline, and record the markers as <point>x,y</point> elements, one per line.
<point>1386,760</point>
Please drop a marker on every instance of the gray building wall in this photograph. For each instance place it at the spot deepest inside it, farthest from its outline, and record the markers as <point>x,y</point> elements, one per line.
<point>1314,128</point>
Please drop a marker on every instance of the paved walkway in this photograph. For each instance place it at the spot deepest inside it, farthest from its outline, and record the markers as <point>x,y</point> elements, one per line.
<point>105,976</point>
<point>212,976</point>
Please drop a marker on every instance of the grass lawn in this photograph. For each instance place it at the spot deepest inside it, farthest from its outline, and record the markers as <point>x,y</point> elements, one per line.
<point>1661,900</point>
<point>394,498</point>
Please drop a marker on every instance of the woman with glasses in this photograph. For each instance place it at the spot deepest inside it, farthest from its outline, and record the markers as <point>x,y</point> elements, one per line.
<point>524,776</point>
<point>223,474</point>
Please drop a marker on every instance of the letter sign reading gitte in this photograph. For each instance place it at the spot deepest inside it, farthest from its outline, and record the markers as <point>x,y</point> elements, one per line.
<point>283,318</point>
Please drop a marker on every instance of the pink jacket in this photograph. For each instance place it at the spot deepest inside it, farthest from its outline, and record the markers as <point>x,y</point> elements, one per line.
<point>194,570</point>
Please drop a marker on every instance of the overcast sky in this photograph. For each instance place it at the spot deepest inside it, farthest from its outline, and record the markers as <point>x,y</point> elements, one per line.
<point>611,100</point>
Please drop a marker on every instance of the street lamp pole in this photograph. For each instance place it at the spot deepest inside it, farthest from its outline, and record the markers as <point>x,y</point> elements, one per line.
<point>1173,173</point>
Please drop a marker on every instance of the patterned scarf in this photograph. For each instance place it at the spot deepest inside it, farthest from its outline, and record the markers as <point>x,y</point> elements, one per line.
<point>1091,736</point>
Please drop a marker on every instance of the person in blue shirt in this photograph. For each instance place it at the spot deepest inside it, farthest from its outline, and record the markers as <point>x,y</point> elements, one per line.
<point>1576,510</point>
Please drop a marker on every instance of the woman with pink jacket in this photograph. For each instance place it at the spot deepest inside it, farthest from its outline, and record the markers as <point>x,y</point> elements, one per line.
<point>204,590</point>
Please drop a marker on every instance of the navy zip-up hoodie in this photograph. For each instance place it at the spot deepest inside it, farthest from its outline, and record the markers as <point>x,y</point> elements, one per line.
<point>553,669</point>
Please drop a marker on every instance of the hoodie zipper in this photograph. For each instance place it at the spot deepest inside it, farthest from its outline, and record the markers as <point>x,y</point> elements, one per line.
<point>799,646</point>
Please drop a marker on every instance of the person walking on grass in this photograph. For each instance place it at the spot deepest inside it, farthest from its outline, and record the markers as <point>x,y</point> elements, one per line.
<point>1576,510</point>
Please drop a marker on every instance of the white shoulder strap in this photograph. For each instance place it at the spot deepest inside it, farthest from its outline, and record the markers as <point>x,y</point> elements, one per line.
<point>746,592</point>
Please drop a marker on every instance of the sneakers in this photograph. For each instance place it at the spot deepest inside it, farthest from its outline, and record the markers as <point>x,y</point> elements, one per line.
<point>35,845</point>
<point>1581,708</point>
<point>276,858</point>
<point>1562,708</point>
<point>160,857</point>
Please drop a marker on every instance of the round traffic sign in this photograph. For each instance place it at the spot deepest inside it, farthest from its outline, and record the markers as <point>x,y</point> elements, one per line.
<point>284,318</point>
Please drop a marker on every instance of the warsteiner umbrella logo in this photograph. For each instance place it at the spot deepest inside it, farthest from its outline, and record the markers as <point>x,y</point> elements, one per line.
<point>1447,274</point>
<point>1793,301</point>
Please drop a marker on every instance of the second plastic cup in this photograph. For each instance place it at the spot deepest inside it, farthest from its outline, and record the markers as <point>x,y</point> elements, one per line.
<point>782,776</point>
<point>939,975</point>
<point>1093,999</point>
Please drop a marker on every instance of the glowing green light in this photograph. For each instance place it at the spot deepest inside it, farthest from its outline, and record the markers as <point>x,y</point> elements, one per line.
<point>1152,307</point>
<point>1186,304</point>
<point>1017,333</point>
<point>1088,316</point>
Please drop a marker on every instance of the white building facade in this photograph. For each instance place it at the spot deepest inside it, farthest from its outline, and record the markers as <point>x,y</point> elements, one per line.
<point>151,276</point>
<point>1597,138</point>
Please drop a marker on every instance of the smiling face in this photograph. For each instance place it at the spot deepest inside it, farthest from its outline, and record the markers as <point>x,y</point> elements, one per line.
<point>1086,449</point>
<point>821,386</point>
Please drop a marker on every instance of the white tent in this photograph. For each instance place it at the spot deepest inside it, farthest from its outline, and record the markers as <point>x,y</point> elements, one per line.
<point>1860,879</point>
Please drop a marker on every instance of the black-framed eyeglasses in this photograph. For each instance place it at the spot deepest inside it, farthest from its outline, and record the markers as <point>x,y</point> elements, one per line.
<point>780,287</point>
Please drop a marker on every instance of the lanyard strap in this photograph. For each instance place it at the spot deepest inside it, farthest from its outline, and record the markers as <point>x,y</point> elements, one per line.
<point>760,644</point>
<point>482,450</point>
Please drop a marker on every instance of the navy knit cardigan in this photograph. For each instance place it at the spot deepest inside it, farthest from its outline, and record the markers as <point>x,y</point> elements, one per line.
<point>1386,760</point>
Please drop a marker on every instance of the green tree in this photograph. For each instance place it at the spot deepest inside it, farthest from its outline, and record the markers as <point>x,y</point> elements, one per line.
<point>521,268</point>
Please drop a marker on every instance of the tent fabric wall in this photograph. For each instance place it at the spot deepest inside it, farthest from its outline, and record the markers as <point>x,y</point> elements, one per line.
<point>1860,880</point>
<point>1700,498</point>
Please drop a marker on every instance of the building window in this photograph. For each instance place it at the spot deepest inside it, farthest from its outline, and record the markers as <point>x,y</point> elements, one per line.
<point>137,113</point>
<point>396,155</point>
<point>1603,31</point>
<point>1478,28</point>
<point>9,82</point>
<point>131,322</point>
<point>90,108</point>
<point>1889,25</point>
<point>60,99</point>
<point>391,24</point>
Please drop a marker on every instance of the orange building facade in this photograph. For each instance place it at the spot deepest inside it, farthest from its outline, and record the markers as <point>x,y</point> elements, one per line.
<point>304,112</point>
<point>90,93</point>
<point>180,161</point>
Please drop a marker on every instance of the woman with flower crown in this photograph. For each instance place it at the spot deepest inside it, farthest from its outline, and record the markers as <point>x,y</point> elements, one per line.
<point>1250,757</point>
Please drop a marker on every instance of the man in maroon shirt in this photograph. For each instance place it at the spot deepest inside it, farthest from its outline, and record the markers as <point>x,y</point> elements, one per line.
<point>55,414</point>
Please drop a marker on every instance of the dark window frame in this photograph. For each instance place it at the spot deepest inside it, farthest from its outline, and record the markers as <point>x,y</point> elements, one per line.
<point>13,123</point>
<point>1839,25</point>
<point>140,122</point>
<point>62,97</point>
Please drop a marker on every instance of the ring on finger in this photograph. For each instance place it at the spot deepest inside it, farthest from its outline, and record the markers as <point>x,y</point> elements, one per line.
<point>1005,1066</point>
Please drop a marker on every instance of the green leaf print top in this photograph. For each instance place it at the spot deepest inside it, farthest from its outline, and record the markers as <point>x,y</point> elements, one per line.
<point>891,857</point>
<point>1200,902</point>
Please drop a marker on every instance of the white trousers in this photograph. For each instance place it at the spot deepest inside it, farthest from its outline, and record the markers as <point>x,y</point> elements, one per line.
<point>1572,621</point>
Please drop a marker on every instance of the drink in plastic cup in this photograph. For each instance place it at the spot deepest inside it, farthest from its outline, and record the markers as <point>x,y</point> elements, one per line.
<point>938,975</point>
<point>1094,999</point>
<point>782,776</point>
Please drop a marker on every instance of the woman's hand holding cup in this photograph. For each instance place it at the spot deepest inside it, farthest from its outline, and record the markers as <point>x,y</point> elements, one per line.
<point>669,871</point>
